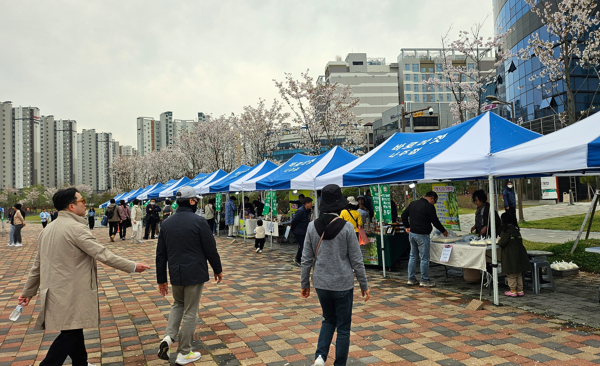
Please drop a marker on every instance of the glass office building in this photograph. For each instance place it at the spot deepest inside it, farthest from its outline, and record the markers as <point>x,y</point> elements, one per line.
<point>530,102</point>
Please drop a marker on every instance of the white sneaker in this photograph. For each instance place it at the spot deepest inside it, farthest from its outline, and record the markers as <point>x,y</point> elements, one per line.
<point>91,364</point>
<point>164,348</point>
<point>18,245</point>
<point>191,357</point>
<point>257,250</point>
<point>10,245</point>
<point>319,361</point>
<point>260,251</point>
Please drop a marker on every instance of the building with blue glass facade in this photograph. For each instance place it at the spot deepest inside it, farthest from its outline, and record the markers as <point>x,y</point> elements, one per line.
<point>530,102</point>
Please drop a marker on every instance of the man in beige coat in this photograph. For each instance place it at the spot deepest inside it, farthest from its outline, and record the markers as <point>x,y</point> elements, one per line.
<point>66,274</point>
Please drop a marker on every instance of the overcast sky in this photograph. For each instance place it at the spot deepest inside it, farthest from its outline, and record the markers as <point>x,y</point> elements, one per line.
<point>105,63</point>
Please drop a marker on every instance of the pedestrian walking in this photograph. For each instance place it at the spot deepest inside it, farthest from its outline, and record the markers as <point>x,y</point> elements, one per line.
<point>513,255</point>
<point>230,216</point>
<point>185,244</point>
<point>136,222</point>
<point>351,214</point>
<point>152,218</point>
<point>2,217</point>
<point>54,215</point>
<point>91,217</point>
<point>332,248</point>
<point>19,224</point>
<point>44,217</point>
<point>209,214</point>
<point>11,234</point>
<point>417,219</point>
<point>66,274</point>
<point>299,226</point>
<point>112,212</point>
<point>125,219</point>
<point>259,238</point>
<point>510,201</point>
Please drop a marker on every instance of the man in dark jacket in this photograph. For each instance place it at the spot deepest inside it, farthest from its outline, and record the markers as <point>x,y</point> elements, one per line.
<point>152,218</point>
<point>259,206</point>
<point>369,204</point>
<point>185,243</point>
<point>510,202</point>
<point>422,215</point>
<point>248,207</point>
<point>299,225</point>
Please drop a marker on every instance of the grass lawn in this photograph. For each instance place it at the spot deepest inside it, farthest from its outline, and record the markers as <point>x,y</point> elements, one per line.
<point>34,219</point>
<point>588,262</point>
<point>465,211</point>
<point>572,223</point>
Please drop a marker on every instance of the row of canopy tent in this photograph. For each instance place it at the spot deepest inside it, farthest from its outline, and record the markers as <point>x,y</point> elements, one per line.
<point>485,147</point>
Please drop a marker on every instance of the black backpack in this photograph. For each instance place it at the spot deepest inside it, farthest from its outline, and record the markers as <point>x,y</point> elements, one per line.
<point>110,214</point>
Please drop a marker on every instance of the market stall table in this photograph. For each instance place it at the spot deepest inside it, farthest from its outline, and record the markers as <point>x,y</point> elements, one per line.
<point>395,246</point>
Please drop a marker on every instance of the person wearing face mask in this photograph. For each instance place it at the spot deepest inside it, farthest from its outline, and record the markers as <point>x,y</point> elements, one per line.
<point>510,202</point>
<point>152,219</point>
<point>185,245</point>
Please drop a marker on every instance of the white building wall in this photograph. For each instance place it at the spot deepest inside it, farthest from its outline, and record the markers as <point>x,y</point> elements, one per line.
<point>6,145</point>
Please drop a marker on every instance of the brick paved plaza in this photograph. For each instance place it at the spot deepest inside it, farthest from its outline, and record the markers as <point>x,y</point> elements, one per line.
<point>256,317</point>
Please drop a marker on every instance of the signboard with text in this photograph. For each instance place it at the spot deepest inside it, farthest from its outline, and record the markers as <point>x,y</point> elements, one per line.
<point>447,206</point>
<point>386,202</point>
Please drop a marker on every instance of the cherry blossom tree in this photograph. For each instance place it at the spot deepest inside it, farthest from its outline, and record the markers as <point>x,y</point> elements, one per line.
<point>467,84</point>
<point>49,193</point>
<point>321,113</point>
<point>573,42</point>
<point>261,130</point>
<point>219,142</point>
<point>124,171</point>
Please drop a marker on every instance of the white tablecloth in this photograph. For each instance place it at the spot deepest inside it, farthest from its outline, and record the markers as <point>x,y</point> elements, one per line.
<point>463,255</point>
<point>271,226</point>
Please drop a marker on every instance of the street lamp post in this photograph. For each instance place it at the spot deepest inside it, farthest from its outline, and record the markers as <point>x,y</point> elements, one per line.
<point>494,99</point>
<point>404,113</point>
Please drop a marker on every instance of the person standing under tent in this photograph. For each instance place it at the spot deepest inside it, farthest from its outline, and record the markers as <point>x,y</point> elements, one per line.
<point>513,255</point>
<point>112,212</point>
<point>167,210</point>
<point>209,214</point>
<point>332,248</point>
<point>299,225</point>
<point>125,215</point>
<point>66,273</point>
<point>482,215</point>
<point>136,222</point>
<point>362,209</point>
<point>185,245</point>
<point>259,206</point>
<point>44,217</point>
<point>510,202</point>
<point>91,217</point>
<point>230,216</point>
<point>248,207</point>
<point>152,218</point>
<point>417,219</point>
<point>369,204</point>
<point>352,215</point>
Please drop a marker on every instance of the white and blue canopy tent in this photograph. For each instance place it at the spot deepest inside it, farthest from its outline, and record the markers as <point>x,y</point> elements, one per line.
<point>460,152</point>
<point>213,177</point>
<point>129,196</point>
<point>166,192</point>
<point>117,197</point>
<point>155,192</point>
<point>145,190</point>
<point>197,179</point>
<point>219,184</point>
<point>156,188</point>
<point>572,150</point>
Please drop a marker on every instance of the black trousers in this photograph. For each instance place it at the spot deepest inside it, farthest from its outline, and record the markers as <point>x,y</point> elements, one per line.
<point>68,343</point>
<point>300,240</point>
<point>122,230</point>
<point>211,224</point>
<point>91,222</point>
<point>512,211</point>
<point>150,225</point>
<point>259,243</point>
<point>44,223</point>
<point>113,227</point>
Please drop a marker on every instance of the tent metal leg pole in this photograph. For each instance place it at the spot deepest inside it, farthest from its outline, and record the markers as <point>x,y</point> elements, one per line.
<point>381,228</point>
<point>271,209</point>
<point>493,234</point>
<point>316,209</point>
<point>244,215</point>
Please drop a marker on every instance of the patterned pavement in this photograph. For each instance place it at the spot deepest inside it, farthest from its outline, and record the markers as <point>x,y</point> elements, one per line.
<point>256,317</point>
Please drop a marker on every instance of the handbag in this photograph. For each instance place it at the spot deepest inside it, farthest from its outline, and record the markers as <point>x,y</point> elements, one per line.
<point>127,222</point>
<point>363,239</point>
<point>236,221</point>
<point>104,221</point>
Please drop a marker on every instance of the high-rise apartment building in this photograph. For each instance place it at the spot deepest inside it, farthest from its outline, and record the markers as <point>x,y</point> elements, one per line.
<point>66,152</point>
<point>26,146</point>
<point>104,161</point>
<point>48,146</point>
<point>146,141</point>
<point>126,150</point>
<point>373,82</point>
<point>164,134</point>
<point>87,152</point>
<point>201,117</point>
<point>6,145</point>
<point>181,126</point>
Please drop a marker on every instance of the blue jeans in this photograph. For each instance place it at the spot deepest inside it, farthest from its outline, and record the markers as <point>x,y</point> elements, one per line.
<point>11,236</point>
<point>419,246</point>
<point>337,311</point>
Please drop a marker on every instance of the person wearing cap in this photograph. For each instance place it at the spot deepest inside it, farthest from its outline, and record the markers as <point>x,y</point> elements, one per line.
<point>417,219</point>
<point>185,244</point>
<point>332,247</point>
<point>352,215</point>
<point>299,225</point>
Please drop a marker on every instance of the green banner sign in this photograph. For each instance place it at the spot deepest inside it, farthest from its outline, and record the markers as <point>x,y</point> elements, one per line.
<point>174,205</point>
<point>386,202</point>
<point>270,201</point>
<point>218,202</point>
